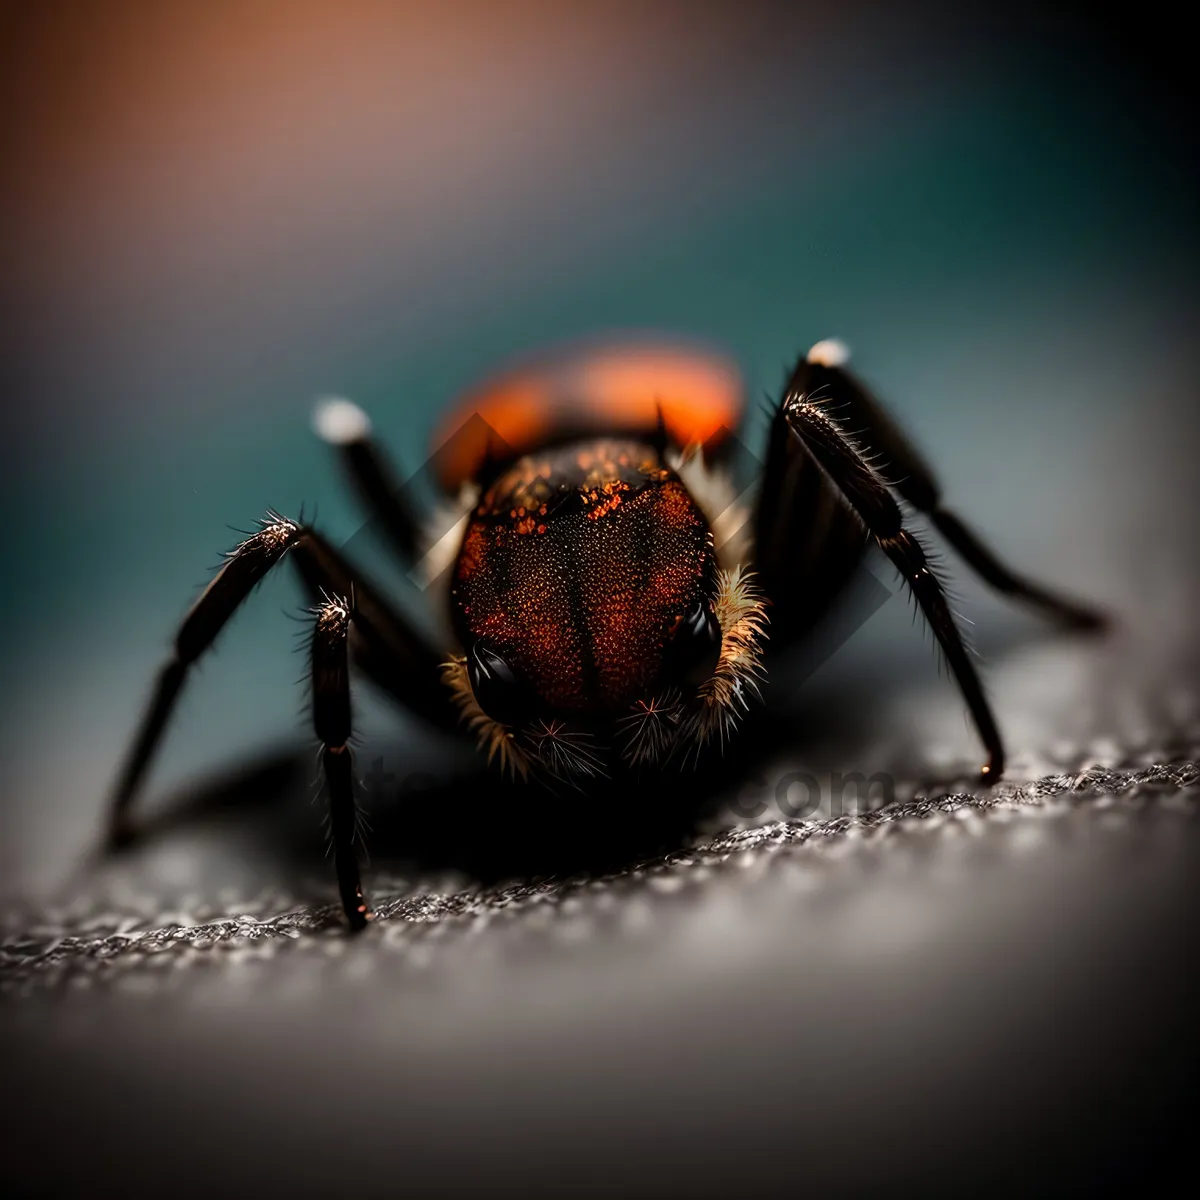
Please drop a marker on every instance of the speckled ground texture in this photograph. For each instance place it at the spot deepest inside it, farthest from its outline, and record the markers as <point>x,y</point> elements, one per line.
<point>959,986</point>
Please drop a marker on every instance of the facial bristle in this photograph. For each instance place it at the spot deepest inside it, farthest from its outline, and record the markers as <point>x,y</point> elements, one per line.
<point>654,729</point>
<point>651,728</point>
<point>724,698</point>
<point>566,754</point>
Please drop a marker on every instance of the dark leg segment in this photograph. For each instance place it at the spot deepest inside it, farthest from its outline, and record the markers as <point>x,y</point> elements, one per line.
<point>866,493</point>
<point>331,723</point>
<point>386,647</point>
<point>1068,612</point>
<point>807,542</point>
<point>393,653</point>
<point>345,426</point>
<point>825,379</point>
<point>245,568</point>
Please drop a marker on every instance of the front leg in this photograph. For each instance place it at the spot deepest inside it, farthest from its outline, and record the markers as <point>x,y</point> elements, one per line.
<point>332,725</point>
<point>390,650</point>
<point>867,494</point>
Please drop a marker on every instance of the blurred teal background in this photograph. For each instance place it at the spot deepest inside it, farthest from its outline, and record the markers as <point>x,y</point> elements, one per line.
<point>218,214</point>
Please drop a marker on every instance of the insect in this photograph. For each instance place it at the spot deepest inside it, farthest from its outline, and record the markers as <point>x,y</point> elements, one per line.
<point>608,597</point>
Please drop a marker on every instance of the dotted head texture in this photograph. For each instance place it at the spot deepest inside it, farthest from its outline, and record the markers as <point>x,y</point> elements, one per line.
<point>575,566</point>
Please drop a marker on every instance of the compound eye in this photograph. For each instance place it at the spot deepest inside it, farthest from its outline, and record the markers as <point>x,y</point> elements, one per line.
<point>497,689</point>
<point>695,649</point>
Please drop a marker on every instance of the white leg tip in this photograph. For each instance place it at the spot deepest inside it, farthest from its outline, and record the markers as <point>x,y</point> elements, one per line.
<point>829,353</point>
<point>340,421</point>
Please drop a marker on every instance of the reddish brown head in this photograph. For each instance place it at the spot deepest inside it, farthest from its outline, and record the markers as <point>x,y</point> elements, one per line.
<point>585,584</point>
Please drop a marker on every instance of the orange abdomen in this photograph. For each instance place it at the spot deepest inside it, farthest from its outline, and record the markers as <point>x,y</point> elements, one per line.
<point>615,388</point>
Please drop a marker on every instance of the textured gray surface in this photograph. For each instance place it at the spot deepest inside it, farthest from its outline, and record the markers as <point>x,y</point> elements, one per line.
<point>962,989</point>
<point>82,945</point>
